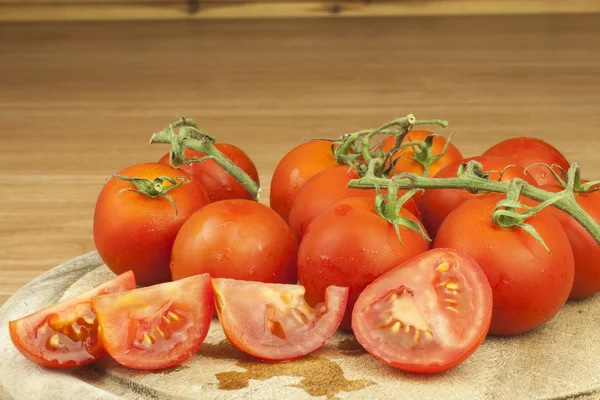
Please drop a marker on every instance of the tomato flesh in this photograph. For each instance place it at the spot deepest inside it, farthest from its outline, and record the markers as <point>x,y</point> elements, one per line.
<point>65,335</point>
<point>156,327</point>
<point>426,315</point>
<point>274,321</point>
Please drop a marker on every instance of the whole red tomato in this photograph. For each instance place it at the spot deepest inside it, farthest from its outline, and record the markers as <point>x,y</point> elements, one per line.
<point>350,245</point>
<point>217,182</point>
<point>237,239</point>
<point>294,169</point>
<point>436,204</point>
<point>404,157</point>
<point>529,285</point>
<point>527,151</point>
<point>585,249</point>
<point>324,189</point>
<point>133,231</point>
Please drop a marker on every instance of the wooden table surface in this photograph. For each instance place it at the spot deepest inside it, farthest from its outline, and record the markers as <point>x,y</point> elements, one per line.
<point>79,101</point>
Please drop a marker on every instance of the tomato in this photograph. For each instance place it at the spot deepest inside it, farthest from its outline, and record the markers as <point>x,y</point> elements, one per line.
<point>324,189</point>
<point>529,285</point>
<point>157,326</point>
<point>404,157</point>
<point>350,245</point>
<point>585,249</point>
<point>238,239</point>
<point>295,168</point>
<point>436,204</point>
<point>133,231</point>
<point>217,182</point>
<point>273,321</point>
<point>65,335</point>
<point>527,151</point>
<point>427,315</point>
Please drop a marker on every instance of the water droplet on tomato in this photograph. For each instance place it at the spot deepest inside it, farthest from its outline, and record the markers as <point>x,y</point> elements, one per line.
<point>342,209</point>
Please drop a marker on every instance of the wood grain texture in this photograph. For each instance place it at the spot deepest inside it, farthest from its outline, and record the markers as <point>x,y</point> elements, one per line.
<point>94,10</point>
<point>79,101</point>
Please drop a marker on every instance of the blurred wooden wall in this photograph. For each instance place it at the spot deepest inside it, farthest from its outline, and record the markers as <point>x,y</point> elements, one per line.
<point>88,10</point>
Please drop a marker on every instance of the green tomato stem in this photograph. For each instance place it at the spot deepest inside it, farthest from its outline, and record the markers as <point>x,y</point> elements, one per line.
<point>471,181</point>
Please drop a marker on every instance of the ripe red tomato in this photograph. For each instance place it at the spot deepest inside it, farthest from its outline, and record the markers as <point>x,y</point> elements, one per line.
<point>529,285</point>
<point>404,162</point>
<point>294,169</point>
<point>133,231</point>
<point>65,335</point>
<point>273,321</point>
<point>527,151</point>
<point>158,326</point>
<point>217,182</point>
<point>427,315</point>
<point>350,245</point>
<point>324,189</point>
<point>585,249</point>
<point>436,204</point>
<point>238,239</point>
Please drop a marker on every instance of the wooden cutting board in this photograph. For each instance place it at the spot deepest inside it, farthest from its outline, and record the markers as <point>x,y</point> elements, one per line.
<point>558,361</point>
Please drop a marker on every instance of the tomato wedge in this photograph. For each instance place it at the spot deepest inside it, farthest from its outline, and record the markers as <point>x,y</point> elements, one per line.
<point>273,321</point>
<point>426,315</point>
<point>157,326</point>
<point>65,335</point>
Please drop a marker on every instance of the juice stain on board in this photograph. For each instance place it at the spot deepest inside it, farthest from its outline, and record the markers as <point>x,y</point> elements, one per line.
<point>320,376</point>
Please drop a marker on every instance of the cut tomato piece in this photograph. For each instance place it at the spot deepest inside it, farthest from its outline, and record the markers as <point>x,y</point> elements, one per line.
<point>65,335</point>
<point>273,321</point>
<point>157,326</point>
<point>426,315</point>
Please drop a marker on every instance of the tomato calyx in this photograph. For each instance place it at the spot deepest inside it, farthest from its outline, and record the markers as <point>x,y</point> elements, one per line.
<point>423,150</point>
<point>191,137</point>
<point>154,188</point>
<point>576,184</point>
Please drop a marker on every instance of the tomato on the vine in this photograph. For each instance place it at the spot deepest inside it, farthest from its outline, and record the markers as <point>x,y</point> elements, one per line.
<point>350,245</point>
<point>585,249</point>
<point>324,189</point>
<point>238,239</point>
<point>273,321</point>
<point>158,326</point>
<point>404,158</point>
<point>218,183</point>
<point>426,315</point>
<point>527,151</point>
<point>136,231</point>
<point>529,284</point>
<point>65,335</point>
<point>436,204</point>
<point>295,168</point>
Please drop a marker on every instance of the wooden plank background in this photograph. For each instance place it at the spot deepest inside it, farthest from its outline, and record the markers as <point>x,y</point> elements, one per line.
<point>93,10</point>
<point>79,101</point>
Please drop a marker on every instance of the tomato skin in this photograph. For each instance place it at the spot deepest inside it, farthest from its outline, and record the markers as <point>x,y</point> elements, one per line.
<point>272,321</point>
<point>350,245</point>
<point>526,151</point>
<point>294,169</point>
<point>529,285</point>
<point>403,158</point>
<point>324,189</point>
<point>464,326</point>
<point>217,182</point>
<point>237,239</point>
<point>32,332</point>
<point>436,204</point>
<point>158,326</point>
<point>135,232</point>
<point>585,249</point>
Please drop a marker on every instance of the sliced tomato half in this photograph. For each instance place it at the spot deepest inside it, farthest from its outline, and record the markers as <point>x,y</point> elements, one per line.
<point>427,315</point>
<point>157,326</point>
<point>65,335</point>
<point>273,321</point>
